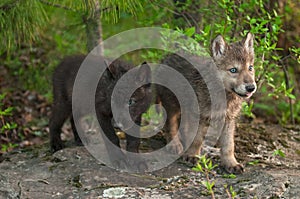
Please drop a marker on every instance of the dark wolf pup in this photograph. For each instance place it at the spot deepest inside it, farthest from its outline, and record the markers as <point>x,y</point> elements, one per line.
<point>234,63</point>
<point>63,81</point>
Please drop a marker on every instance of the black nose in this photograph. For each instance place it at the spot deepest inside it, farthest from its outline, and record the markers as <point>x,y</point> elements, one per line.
<point>250,88</point>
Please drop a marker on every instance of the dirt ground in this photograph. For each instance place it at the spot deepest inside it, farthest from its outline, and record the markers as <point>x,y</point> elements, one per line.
<point>74,173</point>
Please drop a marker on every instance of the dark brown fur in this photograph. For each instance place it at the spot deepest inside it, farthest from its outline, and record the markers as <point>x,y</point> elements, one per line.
<point>63,81</point>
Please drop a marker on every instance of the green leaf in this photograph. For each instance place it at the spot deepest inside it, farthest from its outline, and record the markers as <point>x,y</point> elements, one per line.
<point>190,31</point>
<point>210,165</point>
<point>279,152</point>
<point>198,167</point>
<point>233,193</point>
<point>207,29</point>
<point>255,162</point>
<point>252,21</point>
<point>231,176</point>
<point>291,96</point>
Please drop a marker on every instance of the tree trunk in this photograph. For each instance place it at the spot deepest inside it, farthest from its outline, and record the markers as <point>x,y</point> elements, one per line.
<point>94,29</point>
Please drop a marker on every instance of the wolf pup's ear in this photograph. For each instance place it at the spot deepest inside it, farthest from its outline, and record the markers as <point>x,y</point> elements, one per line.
<point>248,43</point>
<point>112,70</point>
<point>144,73</point>
<point>218,47</point>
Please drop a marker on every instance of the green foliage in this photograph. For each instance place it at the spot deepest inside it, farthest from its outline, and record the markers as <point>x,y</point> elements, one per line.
<point>5,124</point>
<point>20,22</point>
<point>279,152</point>
<point>205,166</point>
<point>247,109</point>
<point>282,90</point>
<point>296,52</point>
<point>190,45</point>
<point>231,193</point>
<point>23,21</point>
<point>174,41</point>
<point>57,27</point>
<point>153,55</point>
<point>266,26</point>
<point>30,71</point>
<point>230,176</point>
<point>8,147</point>
<point>254,162</point>
<point>153,116</point>
<point>111,10</point>
<point>234,19</point>
<point>209,186</point>
<point>4,113</point>
<point>64,35</point>
<point>119,7</point>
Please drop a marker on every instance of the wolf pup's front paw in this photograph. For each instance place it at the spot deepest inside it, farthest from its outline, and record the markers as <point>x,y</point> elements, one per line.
<point>56,146</point>
<point>137,165</point>
<point>191,159</point>
<point>235,169</point>
<point>175,146</point>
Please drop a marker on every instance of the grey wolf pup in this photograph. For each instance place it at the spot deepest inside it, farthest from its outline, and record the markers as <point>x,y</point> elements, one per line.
<point>234,63</point>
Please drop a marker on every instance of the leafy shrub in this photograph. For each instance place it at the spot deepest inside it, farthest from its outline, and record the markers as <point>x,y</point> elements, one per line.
<point>203,20</point>
<point>6,124</point>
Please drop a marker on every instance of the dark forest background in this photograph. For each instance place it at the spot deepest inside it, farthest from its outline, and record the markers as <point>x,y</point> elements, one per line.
<point>36,34</point>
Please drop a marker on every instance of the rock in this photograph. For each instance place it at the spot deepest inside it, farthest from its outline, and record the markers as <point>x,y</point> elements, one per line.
<point>74,173</point>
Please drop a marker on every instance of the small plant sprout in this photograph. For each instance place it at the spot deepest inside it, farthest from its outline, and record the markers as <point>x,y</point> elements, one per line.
<point>206,166</point>
<point>254,162</point>
<point>231,176</point>
<point>231,193</point>
<point>5,124</point>
<point>247,109</point>
<point>279,152</point>
<point>209,186</point>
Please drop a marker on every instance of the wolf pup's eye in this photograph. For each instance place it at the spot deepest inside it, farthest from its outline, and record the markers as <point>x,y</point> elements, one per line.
<point>131,102</point>
<point>233,70</point>
<point>250,68</point>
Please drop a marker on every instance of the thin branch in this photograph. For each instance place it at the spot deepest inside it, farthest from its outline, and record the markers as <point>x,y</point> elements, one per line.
<point>57,5</point>
<point>228,194</point>
<point>265,68</point>
<point>286,57</point>
<point>194,21</point>
<point>287,84</point>
<point>172,11</point>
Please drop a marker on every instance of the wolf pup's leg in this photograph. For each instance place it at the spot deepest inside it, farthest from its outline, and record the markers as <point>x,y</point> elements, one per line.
<point>195,148</point>
<point>133,142</point>
<point>228,160</point>
<point>59,115</point>
<point>116,156</point>
<point>172,135</point>
<point>108,130</point>
<point>75,132</point>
